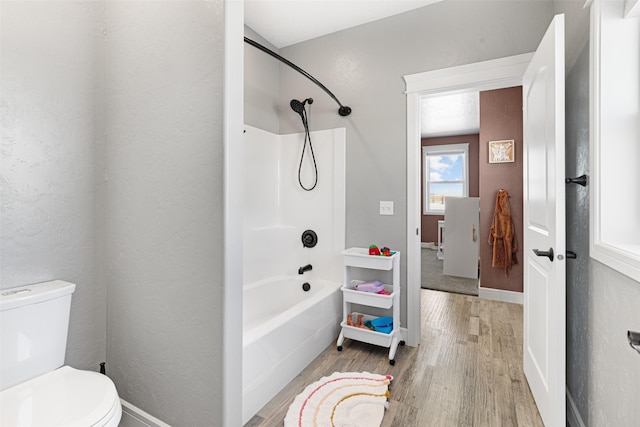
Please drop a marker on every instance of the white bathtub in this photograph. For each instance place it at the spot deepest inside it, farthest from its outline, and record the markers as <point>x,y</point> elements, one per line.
<point>284,329</point>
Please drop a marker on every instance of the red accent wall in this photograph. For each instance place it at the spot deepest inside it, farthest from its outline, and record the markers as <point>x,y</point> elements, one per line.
<point>500,119</point>
<point>429,223</point>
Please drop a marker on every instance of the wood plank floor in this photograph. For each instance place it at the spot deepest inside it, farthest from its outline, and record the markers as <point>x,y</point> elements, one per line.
<point>467,370</point>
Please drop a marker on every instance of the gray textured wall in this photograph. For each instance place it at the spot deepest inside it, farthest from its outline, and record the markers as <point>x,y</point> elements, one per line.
<point>602,370</point>
<point>165,207</point>
<point>577,163</point>
<point>112,125</point>
<point>612,367</point>
<point>52,192</point>
<point>364,67</point>
<point>261,85</point>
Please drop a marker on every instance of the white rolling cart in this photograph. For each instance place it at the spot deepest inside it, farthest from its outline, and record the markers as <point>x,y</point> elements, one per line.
<point>359,258</point>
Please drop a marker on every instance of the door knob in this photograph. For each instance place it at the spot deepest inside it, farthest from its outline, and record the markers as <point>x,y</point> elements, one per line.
<point>548,253</point>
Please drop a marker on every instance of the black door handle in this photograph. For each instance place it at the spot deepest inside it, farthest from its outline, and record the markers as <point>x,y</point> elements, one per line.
<point>548,253</point>
<point>581,180</point>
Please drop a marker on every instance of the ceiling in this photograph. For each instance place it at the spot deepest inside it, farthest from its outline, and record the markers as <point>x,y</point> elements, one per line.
<point>286,22</point>
<point>447,115</point>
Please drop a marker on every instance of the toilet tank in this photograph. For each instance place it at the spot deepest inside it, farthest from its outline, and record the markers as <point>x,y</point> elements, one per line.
<point>34,320</point>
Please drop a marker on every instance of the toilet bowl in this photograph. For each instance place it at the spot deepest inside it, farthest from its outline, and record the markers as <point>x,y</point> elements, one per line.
<point>37,391</point>
<point>66,397</point>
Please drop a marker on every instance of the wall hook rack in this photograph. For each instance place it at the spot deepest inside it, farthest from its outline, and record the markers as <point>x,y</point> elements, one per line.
<point>581,180</point>
<point>634,340</point>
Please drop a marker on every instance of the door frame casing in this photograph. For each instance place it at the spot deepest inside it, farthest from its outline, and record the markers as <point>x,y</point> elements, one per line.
<point>487,75</point>
<point>233,86</point>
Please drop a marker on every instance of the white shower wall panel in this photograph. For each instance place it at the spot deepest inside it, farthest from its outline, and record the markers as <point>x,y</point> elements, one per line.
<point>262,152</point>
<point>265,252</point>
<point>321,209</point>
<point>278,211</point>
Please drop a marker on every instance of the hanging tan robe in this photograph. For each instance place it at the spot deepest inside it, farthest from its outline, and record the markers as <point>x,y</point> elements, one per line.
<point>502,236</point>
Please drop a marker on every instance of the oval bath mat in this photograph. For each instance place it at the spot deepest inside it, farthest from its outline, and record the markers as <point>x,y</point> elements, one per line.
<point>353,399</point>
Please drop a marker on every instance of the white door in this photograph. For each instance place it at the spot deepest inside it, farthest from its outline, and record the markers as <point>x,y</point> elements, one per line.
<point>461,222</point>
<point>544,226</point>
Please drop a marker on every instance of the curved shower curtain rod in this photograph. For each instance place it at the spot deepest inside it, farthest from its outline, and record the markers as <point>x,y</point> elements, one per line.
<point>343,110</point>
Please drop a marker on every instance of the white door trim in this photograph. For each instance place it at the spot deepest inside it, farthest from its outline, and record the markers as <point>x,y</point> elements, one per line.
<point>603,246</point>
<point>233,206</point>
<point>487,75</point>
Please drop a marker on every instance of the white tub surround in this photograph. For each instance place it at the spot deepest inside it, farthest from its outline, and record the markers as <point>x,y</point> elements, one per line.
<point>285,327</point>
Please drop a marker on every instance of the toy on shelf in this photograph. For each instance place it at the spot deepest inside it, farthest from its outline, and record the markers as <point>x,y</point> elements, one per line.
<point>382,324</point>
<point>374,286</point>
<point>359,323</point>
<point>385,251</point>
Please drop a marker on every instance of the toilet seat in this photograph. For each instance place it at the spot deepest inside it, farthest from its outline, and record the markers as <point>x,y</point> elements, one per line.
<point>65,397</point>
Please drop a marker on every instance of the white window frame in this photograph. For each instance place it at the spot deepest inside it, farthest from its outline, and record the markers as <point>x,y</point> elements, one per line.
<point>428,150</point>
<point>614,238</point>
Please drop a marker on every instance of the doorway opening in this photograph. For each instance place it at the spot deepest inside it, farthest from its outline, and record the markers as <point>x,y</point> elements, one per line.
<point>449,139</point>
<point>487,75</point>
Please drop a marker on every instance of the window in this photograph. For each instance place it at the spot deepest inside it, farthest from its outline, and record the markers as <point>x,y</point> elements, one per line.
<point>445,174</point>
<point>615,132</point>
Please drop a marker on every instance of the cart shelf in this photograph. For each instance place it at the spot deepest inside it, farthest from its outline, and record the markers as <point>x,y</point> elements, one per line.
<point>349,294</point>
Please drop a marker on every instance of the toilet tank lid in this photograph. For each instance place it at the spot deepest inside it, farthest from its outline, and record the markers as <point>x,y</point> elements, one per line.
<point>20,296</point>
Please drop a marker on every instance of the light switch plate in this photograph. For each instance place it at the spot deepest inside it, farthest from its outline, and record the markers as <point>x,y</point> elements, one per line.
<point>386,207</point>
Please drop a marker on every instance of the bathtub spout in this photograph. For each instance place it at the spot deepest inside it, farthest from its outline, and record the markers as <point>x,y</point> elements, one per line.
<point>302,270</point>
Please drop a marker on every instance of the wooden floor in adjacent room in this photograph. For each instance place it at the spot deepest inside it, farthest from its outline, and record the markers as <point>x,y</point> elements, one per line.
<point>467,370</point>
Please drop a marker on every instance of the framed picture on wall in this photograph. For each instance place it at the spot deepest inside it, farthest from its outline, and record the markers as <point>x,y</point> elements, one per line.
<point>502,151</point>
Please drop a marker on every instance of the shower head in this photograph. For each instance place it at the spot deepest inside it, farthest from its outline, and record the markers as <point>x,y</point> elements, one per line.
<point>298,106</point>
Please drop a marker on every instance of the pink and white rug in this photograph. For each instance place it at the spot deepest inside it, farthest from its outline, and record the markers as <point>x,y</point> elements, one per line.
<point>354,399</point>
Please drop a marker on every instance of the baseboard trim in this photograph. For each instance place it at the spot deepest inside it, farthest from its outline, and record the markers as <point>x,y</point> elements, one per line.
<point>133,416</point>
<point>573,416</point>
<point>501,295</point>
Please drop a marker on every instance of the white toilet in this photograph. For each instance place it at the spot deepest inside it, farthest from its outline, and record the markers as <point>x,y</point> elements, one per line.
<point>36,389</point>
